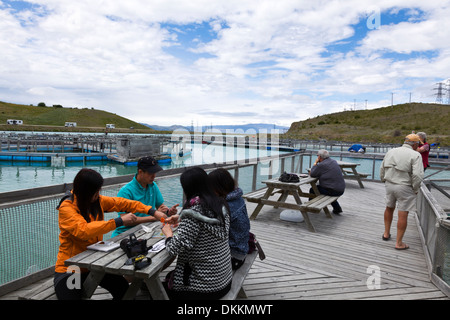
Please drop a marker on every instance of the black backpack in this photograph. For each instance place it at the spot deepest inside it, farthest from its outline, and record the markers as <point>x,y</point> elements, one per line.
<point>289,177</point>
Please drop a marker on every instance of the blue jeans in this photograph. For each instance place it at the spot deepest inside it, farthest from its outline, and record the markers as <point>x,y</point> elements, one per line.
<point>329,192</point>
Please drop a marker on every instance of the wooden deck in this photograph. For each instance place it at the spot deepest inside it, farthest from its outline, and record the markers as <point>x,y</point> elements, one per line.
<point>332,263</point>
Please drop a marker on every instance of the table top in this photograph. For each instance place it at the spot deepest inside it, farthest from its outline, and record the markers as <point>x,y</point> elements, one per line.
<point>114,260</point>
<point>344,164</point>
<point>279,184</point>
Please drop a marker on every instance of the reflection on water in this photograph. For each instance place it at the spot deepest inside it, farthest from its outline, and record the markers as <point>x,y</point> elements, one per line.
<point>16,176</point>
<point>25,175</point>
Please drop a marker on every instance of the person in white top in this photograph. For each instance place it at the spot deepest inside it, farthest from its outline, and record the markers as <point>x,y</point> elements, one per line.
<point>402,173</point>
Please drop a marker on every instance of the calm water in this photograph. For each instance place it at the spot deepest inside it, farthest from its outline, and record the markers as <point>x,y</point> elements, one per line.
<point>25,175</point>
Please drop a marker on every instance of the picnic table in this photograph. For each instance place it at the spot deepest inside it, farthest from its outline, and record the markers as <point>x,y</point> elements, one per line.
<point>99,263</point>
<point>349,172</point>
<point>274,186</point>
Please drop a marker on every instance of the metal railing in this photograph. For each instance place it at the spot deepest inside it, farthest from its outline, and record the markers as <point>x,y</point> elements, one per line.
<point>434,228</point>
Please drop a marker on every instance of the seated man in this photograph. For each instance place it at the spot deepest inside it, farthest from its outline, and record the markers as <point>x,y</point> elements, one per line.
<point>331,181</point>
<point>143,188</point>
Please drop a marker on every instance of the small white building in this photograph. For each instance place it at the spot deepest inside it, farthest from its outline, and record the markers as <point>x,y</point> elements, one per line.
<point>110,126</point>
<point>70,124</point>
<point>15,122</point>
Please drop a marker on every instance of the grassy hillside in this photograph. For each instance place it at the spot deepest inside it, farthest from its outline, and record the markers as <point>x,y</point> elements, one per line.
<point>53,118</point>
<point>384,125</point>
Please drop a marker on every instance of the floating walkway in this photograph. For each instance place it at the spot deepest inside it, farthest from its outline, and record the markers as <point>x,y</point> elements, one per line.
<point>51,157</point>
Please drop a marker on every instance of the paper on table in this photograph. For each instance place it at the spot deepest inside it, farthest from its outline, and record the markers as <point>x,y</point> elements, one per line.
<point>157,247</point>
<point>156,233</point>
<point>104,246</point>
<point>149,229</point>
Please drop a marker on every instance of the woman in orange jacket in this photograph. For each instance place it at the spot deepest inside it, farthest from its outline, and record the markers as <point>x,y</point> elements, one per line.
<point>81,224</point>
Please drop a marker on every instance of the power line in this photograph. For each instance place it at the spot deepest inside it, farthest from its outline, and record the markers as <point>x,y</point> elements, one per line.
<point>439,93</point>
<point>448,91</point>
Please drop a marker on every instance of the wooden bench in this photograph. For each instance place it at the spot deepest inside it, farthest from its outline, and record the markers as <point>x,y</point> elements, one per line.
<point>255,196</point>
<point>43,291</point>
<point>353,175</point>
<point>315,205</point>
<point>238,278</point>
<point>350,173</point>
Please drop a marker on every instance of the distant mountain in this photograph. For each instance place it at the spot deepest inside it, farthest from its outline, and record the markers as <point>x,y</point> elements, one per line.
<point>245,127</point>
<point>165,128</point>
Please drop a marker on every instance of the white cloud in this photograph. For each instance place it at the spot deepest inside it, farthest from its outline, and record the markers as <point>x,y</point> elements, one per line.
<point>267,61</point>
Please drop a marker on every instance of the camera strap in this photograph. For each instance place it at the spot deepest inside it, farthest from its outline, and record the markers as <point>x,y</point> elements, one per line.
<point>139,262</point>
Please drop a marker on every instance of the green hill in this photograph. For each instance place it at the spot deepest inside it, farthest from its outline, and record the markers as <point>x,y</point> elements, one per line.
<point>382,125</point>
<point>53,118</point>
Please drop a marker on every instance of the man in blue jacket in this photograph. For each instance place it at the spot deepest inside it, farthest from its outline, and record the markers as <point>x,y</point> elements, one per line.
<point>331,181</point>
<point>143,188</point>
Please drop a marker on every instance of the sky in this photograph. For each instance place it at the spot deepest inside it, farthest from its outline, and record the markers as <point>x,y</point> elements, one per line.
<point>227,62</point>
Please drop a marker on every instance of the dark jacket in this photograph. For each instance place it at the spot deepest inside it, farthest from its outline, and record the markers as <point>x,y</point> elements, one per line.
<point>239,224</point>
<point>330,175</point>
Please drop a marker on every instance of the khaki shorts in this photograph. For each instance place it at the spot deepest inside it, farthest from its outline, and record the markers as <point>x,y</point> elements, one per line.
<point>403,195</point>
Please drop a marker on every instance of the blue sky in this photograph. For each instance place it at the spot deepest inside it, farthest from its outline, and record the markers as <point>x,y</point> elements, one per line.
<point>223,62</point>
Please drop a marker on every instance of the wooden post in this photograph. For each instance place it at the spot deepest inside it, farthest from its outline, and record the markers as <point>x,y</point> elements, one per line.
<point>255,171</point>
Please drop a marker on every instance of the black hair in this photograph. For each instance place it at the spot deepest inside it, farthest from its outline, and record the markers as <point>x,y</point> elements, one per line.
<point>222,182</point>
<point>86,184</point>
<point>194,182</point>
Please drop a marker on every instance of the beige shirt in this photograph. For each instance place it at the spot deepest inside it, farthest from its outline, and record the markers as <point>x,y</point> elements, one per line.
<point>403,166</point>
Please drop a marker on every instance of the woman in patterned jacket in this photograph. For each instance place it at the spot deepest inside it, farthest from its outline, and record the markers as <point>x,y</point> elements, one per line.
<point>203,268</point>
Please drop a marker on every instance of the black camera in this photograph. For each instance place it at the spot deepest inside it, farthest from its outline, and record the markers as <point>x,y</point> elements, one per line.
<point>134,247</point>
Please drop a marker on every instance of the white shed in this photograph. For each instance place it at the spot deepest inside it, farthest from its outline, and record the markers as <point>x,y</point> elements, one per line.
<point>13,121</point>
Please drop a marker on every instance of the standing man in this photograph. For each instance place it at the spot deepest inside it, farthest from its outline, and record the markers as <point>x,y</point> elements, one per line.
<point>402,172</point>
<point>143,188</point>
<point>331,181</point>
